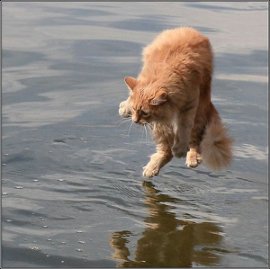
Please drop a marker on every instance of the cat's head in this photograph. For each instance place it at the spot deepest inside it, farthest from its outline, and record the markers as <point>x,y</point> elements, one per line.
<point>146,101</point>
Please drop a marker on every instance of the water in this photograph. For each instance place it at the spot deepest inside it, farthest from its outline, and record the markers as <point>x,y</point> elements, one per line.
<point>72,190</point>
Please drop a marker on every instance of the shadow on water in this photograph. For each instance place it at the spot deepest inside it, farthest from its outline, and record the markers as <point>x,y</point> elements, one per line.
<point>139,24</point>
<point>167,241</point>
<point>35,257</point>
<point>13,58</point>
<point>151,25</point>
<point>254,63</point>
<point>219,8</point>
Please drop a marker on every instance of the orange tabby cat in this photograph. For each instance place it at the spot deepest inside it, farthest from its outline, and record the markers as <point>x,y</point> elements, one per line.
<point>172,95</point>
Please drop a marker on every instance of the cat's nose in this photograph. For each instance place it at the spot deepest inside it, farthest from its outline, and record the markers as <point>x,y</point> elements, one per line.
<point>135,119</point>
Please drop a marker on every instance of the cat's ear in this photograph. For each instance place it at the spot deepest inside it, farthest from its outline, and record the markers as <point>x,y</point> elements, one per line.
<point>160,98</point>
<point>130,82</point>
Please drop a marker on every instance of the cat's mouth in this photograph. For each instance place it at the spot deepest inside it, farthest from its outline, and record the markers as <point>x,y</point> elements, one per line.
<point>144,123</point>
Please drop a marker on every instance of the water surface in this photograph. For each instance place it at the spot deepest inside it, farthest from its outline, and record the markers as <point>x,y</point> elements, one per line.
<point>72,190</point>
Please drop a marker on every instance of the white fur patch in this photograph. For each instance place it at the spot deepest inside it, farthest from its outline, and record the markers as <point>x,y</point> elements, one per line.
<point>175,123</point>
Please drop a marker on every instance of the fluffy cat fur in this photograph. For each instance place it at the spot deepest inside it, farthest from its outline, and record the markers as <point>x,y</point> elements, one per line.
<point>172,95</point>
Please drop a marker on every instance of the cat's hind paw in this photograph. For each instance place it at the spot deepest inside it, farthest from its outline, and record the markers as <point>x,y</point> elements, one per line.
<point>193,159</point>
<point>150,171</point>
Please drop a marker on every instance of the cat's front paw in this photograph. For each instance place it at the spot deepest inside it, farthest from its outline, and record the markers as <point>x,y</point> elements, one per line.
<point>124,110</point>
<point>150,170</point>
<point>193,159</point>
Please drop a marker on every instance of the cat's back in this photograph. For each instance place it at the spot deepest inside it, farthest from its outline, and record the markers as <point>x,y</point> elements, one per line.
<point>177,36</point>
<point>174,39</point>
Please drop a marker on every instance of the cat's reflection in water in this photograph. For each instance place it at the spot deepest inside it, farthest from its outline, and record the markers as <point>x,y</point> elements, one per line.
<point>167,241</point>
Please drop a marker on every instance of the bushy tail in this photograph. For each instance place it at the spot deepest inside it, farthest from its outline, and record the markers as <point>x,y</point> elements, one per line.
<point>216,146</point>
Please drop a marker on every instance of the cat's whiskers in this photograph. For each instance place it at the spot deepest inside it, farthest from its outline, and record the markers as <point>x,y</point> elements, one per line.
<point>130,127</point>
<point>142,134</point>
<point>146,134</point>
<point>149,125</point>
<point>125,120</point>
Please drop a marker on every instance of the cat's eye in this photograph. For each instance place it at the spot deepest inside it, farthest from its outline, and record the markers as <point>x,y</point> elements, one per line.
<point>144,113</point>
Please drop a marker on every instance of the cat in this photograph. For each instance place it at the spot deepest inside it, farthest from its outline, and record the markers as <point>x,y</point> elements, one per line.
<point>172,95</point>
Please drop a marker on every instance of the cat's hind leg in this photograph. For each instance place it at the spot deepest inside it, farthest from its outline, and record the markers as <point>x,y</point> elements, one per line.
<point>193,158</point>
<point>182,128</point>
<point>158,160</point>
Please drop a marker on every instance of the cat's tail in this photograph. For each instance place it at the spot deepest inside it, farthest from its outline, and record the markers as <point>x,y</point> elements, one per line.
<point>216,145</point>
